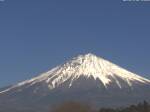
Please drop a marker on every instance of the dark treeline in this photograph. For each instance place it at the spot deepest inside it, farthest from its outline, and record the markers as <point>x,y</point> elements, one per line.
<point>141,107</point>
<point>78,107</point>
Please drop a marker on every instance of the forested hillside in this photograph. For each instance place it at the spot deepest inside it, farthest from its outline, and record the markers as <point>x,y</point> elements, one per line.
<point>78,107</point>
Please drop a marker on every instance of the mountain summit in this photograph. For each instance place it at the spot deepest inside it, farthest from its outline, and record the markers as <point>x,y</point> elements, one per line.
<point>87,77</point>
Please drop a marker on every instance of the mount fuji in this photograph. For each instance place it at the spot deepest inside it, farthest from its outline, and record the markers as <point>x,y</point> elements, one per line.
<point>85,78</point>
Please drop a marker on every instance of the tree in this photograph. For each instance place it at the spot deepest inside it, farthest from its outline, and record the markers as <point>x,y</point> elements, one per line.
<point>146,107</point>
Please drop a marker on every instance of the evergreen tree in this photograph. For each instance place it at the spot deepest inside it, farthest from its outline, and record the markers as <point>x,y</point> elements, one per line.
<point>146,106</point>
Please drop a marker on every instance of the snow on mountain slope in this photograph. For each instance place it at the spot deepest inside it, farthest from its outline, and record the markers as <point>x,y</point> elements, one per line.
<point>88,66</point>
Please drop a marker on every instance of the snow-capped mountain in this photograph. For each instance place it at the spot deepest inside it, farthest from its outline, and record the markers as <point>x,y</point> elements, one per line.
<point>87,77</point>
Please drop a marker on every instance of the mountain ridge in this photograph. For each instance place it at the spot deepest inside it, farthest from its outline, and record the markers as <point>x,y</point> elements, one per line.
<point>88,65</point>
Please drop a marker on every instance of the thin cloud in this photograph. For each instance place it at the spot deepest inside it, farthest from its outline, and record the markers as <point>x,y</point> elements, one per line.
<point>2,0</point>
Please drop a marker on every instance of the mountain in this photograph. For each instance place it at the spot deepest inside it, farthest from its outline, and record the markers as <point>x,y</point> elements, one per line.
<point>85,78</point>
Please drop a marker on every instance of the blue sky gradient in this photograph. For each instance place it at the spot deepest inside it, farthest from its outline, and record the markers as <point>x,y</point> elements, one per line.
<point>37,35</point>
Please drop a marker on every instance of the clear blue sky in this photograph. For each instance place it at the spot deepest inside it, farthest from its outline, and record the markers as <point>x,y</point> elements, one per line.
<point>37,35</point>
